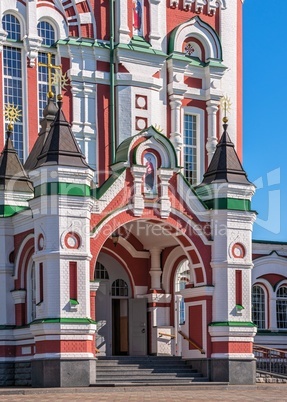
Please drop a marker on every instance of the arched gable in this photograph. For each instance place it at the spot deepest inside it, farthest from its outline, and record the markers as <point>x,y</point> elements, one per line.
<point>269,265</point>
<point>202,33</point>
<point>145,139</point>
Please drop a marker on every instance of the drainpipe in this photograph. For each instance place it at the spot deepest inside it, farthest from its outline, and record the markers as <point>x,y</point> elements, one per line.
<point>112,83</point>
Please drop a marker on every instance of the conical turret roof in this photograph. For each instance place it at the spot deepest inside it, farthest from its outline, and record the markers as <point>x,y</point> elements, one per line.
<point>49,113</point>
<point>12,174</point>
<point>225,165</point>
<point>61,147</point>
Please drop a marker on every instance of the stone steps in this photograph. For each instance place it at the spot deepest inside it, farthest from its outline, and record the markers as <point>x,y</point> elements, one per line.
<point>146,369</point>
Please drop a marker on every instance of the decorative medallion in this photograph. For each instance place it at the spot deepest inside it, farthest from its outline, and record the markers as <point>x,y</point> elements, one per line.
<point>141,123</point>
<point>40,242</point>
<point>141,102</point>
<point>238,250</point>
<point>72,240</point>
<point>189,49</point>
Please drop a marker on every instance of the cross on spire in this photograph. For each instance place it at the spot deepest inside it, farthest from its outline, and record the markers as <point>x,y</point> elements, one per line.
<point>50,66</point>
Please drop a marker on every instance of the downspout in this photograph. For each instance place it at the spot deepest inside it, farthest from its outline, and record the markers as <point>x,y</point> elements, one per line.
<point>112,83</point>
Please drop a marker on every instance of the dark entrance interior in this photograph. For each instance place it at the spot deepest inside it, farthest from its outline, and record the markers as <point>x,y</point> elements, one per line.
<point>120,326</point>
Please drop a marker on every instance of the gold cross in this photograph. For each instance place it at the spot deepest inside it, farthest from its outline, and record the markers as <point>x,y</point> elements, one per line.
<point>50,67</point>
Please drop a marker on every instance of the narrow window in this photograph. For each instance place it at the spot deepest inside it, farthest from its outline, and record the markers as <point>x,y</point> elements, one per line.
<point>189,148</point>
<point>33,293</point>
<point>258,307</point>
<point>238,286</point>
<point>41,283</point>
<point>13,76</point>
<point>73,280</point>
<point>182,278</point>
<point>47,33</point>
<point>281,308</point>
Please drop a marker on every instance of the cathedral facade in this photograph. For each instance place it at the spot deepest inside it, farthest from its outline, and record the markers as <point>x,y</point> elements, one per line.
<point>126,218</point>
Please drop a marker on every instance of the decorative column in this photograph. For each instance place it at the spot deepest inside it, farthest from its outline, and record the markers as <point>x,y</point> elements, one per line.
<point>165,204</point>
<point>176,136</point>
<point>154,35</point>
<point>138,200</point>
<point>3,34</point>
<point>32,41</point>
<point>155,268</point>
<point>212,108</point>
<point>121,16</point>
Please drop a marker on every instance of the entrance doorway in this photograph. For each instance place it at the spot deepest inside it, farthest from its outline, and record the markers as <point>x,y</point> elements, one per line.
<point>120,327</point>
<point>121,320</point>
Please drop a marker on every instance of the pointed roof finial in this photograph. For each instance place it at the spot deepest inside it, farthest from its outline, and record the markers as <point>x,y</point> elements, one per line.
<point>225,103</point>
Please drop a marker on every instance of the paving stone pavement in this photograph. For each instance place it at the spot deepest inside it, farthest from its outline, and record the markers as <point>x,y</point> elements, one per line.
<point>262,393</point>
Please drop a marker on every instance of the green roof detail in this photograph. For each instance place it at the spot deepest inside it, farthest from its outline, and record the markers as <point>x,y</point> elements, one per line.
<point>58,188</point>
<point>229,203</point>
<point>232,324</point>
<point>7,211</point>
<point>74,302</point>
<point>83,42</point>
<point>139,44</point>
<point>64,321</point>
<point>193,61</point>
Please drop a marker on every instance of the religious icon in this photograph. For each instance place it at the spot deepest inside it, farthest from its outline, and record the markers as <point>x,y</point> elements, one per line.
<point>149,179</point>
<point>137,15</point>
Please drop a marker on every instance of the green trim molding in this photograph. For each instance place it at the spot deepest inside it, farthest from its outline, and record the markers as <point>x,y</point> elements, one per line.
<point>229,203</point>
<point>57,188</point>
<point>98,192</point>
<point>64,321</point>
<point>9,210</point>
<point>74,302</point>
<point>232,324</point>
<point>267,332</point>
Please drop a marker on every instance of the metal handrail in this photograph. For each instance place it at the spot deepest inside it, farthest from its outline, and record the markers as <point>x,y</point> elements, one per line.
<point>164,334</point>
<point>192,342</point>
<point>270,360</point>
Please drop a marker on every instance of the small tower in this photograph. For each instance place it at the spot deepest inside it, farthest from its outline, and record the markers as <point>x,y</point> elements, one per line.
<point>63,330</point>
<point>15,191</point>
<point>227,192</point>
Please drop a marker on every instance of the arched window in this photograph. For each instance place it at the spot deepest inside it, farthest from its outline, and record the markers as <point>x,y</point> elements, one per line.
<point>258,307</point>
<point>182,278</point>
<point>281,307</point>
<point>193,143</point>
<point>101,272</point>
<point>47,33</point>
<point>120,288</point>
<point>31,293</point>
<point>13,76</point>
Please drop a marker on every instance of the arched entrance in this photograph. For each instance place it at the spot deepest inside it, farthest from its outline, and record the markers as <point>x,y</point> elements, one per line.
<point>138,293</point>
<point>121,319</point>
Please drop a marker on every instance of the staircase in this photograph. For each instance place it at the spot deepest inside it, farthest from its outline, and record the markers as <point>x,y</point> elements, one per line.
<point>145,370</point>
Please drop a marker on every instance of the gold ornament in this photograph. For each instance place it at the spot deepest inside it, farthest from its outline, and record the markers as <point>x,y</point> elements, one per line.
<point>12,114</point>
<point>225,104</point>
<point>60,79</point>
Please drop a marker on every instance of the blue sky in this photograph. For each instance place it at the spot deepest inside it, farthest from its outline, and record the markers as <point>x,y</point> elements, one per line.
<point>264,114</point>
